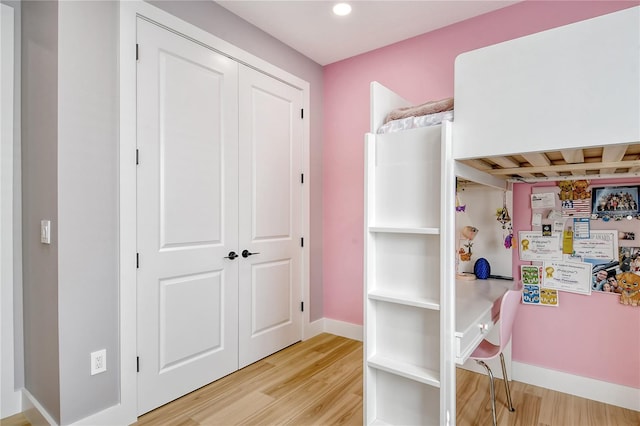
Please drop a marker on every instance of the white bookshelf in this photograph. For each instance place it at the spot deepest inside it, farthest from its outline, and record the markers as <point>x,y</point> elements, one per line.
<point>403,280</point>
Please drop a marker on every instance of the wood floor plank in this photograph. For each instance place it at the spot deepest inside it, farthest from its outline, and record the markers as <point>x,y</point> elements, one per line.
<point>345,365</point>
<point>234,411</point>
<point>333,398</point>
<point>15,420</point>
<point>527,411</point>
<point>284,386</point>
<point>202,397</point>
<point>347,410</point>
<point>222,394</point>
<point>547,406</point>
<point>289,405</point>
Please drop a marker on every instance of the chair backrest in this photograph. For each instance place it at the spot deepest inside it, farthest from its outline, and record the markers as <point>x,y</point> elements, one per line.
<point>508,310</point>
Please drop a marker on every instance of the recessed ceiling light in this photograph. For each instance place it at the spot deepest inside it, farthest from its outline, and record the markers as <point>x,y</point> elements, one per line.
<point>342,9</point>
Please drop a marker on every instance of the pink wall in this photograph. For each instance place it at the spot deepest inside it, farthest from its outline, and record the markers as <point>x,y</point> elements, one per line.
<point>418,69</point>
<point>590,336</point>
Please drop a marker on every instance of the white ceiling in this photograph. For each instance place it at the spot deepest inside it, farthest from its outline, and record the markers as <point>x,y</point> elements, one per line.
<point>310,27</point>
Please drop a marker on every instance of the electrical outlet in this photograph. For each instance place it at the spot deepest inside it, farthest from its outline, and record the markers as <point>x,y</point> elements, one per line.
<point>98,361</point>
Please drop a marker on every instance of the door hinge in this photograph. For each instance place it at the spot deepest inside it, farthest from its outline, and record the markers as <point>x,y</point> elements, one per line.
<point>137,52</point>
<point>137,364</point>
<point>137,260</point>
<point>301,177</point>
<point>137,157</point>
<point>302,113</point>
<point>302,242</point>
<point>301,306</point>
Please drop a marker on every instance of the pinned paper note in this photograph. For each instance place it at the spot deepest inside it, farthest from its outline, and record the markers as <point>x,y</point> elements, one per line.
<point>536,219</point>
<point>544,200</point>
<point>581,228</point>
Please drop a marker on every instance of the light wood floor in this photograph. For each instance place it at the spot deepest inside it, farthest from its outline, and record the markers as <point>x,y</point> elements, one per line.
<point>319,382</point>
<point>535,406</point>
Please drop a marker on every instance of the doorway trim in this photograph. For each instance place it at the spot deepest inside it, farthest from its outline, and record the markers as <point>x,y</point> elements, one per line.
<point>130,11</point>
<point>10,222</point>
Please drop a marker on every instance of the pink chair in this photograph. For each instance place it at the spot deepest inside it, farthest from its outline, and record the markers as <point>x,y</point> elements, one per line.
<point>487,350</point>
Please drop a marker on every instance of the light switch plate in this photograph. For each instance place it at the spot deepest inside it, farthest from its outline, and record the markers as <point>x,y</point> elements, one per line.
<point>45,231</point>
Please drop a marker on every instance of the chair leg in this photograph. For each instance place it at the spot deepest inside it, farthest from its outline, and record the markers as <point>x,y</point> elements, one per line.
<point>506,383</point>
<point>492,389</point>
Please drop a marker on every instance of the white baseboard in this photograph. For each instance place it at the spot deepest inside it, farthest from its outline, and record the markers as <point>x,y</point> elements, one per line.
<point>344,329</point>
<point>35,412</point>
<point>584,387</point>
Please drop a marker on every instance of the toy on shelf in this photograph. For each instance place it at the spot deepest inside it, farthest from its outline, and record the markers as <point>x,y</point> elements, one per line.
<point>465,233</point>
<point>465,236</point>
<point>504,218</point>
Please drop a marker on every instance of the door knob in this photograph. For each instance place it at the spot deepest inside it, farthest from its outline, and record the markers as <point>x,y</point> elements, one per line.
<point>247,253</point>
<point>232,255</point>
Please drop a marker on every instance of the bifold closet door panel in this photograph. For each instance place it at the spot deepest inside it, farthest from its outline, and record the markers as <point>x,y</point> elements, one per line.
<point>187,215</point>
<point>270,149</point>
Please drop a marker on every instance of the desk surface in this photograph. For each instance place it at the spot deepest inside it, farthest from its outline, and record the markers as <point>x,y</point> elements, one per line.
<point>474,304</point>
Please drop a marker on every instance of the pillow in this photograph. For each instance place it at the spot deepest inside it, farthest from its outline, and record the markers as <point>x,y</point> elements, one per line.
<point>431,107</point>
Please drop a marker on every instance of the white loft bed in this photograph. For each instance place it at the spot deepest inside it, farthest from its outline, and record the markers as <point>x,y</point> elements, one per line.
<point>538,107</point>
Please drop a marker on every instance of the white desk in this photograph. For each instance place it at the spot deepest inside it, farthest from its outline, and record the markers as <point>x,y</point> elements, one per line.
<point>475,315</point>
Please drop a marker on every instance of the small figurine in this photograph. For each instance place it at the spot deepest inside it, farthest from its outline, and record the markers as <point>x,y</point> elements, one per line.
<point>629,283</point>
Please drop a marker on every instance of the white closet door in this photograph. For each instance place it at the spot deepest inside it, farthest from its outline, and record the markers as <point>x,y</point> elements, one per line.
<point>271,140</point>
<point>187,214</point>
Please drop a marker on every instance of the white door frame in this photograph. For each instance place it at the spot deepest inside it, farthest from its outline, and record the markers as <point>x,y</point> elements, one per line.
<point>11,398</point>
<point>125,412</point>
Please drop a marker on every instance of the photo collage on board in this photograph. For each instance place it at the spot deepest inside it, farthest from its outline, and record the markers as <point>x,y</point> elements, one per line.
<point>569,254</point>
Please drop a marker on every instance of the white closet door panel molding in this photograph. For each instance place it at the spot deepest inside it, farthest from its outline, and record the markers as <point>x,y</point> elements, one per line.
<point>190,134</point>
<point>187,216</point>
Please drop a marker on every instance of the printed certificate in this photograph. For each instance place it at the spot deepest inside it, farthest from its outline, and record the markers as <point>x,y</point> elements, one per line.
<point>574,277</point>
<point>534,246</point>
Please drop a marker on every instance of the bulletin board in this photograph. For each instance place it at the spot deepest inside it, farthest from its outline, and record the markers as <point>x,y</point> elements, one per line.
<point>591,249</point>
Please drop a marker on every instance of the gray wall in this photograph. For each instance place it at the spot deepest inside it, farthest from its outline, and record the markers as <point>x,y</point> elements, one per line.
<point>40,201</point>
<point>70,176</point>
<point>88,300</point>
<point>220,22</point>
